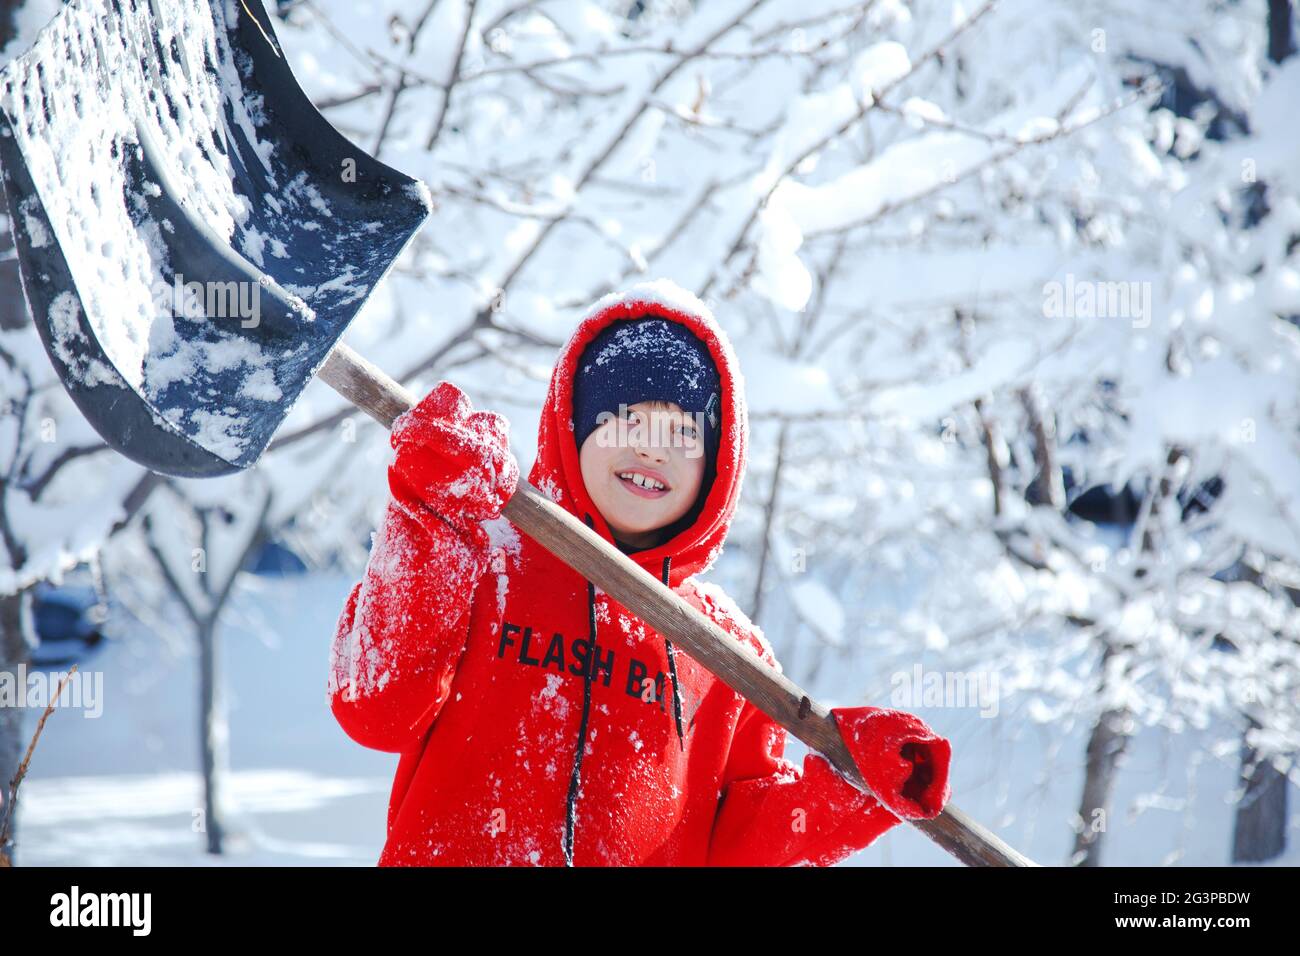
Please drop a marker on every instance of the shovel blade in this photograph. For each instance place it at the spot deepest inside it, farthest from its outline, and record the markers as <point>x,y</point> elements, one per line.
<point>193,236</point>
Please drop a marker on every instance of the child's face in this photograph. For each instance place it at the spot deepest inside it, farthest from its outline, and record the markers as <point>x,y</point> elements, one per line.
<point>655,443</point>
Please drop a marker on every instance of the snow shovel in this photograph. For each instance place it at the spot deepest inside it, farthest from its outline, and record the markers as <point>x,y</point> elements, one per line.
<point>193,239</point>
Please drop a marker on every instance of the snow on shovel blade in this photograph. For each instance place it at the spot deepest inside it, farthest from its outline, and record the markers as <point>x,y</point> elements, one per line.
<point>193,236</point>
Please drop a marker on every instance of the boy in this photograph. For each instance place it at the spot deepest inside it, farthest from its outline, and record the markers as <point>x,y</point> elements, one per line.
<point>538,721</point>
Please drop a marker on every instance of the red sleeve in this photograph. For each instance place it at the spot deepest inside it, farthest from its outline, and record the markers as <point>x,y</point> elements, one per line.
<point>772,813</point>
<point>404,627</point>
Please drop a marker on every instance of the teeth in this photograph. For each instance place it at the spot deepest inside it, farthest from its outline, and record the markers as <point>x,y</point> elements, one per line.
<point>642,480</point>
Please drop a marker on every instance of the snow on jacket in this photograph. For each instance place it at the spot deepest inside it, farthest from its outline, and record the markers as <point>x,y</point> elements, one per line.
<point>468,653</point>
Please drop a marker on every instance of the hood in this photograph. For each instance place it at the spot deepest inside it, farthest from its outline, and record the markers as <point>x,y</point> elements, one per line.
<point>556,472</point>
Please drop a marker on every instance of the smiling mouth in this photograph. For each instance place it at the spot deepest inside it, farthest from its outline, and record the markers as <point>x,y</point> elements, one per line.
<point>642,485</point>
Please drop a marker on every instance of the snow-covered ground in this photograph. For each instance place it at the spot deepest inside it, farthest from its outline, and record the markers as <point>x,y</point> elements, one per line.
<point>124,788</point>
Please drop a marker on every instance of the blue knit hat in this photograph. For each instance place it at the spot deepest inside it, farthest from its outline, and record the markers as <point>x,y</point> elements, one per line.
<point>647,359</point>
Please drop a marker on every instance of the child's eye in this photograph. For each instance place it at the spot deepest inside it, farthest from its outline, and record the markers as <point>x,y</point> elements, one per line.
<point>689,432</point>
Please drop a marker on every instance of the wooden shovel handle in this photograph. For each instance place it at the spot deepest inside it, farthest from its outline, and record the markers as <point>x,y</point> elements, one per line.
<point>734,663</point>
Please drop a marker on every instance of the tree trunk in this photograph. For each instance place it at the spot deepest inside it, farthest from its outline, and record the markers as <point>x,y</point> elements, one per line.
<point>1281,42</point>
<point>1260,831</point>
<point>1106,745</point>
<point>213,735</point>
<point>8,9</point>
<point>769,518</point>
<point>1049,486</point>
<point>14,653</point>
<point>1111,733</point>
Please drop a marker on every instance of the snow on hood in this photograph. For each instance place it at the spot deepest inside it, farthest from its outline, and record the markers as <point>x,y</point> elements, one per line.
<point>557,473</point>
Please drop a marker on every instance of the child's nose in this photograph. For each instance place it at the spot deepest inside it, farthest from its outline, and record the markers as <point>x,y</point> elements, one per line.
<point>649,446</point>
<point>652,452</point>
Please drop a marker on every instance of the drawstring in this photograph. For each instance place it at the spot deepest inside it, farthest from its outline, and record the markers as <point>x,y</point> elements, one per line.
<point>672,671</point>
<point>575,780</point>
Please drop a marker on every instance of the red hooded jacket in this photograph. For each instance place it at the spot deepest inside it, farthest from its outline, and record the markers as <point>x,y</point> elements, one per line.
<point>466,648</point>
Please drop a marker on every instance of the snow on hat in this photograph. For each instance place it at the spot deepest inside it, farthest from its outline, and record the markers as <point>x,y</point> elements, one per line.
<point>641,360</point>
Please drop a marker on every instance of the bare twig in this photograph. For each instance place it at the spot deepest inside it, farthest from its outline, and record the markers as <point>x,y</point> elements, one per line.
<point>22,769</point>
<point>391,107</point>
<point>470,7</point>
